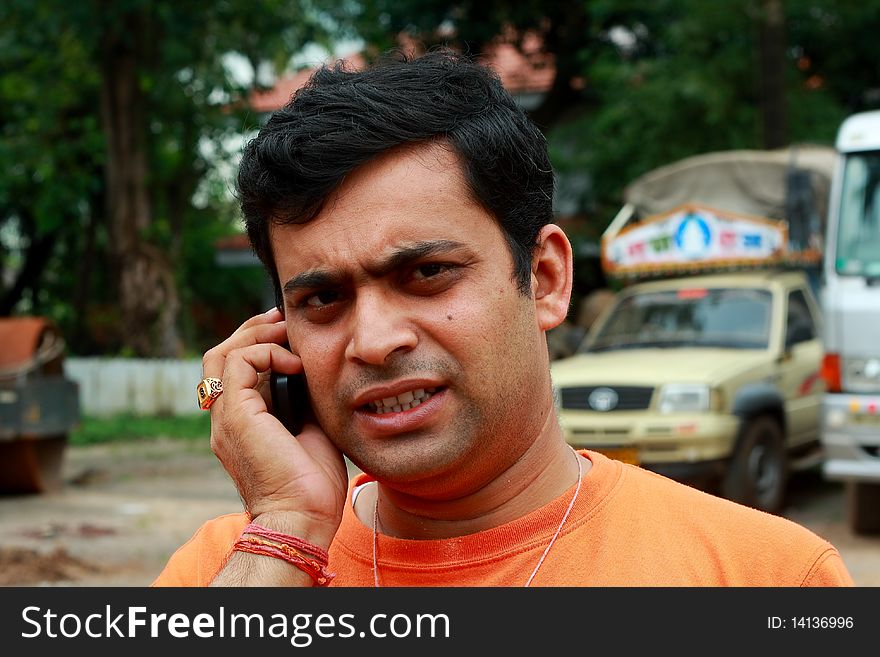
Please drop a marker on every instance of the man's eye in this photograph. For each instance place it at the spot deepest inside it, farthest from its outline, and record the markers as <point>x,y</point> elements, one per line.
<point>430,270</point>
<point>321,299</point>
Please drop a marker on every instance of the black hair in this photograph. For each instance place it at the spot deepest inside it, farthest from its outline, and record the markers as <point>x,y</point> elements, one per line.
<point>341,119</point>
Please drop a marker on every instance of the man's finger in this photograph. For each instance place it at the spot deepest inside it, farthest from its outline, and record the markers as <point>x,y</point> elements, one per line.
<point>269,317</point>
<point>213,362</point>
<point>244,366</point>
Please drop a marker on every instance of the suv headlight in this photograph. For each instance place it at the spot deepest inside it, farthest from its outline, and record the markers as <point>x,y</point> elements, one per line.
<point>685,398</point>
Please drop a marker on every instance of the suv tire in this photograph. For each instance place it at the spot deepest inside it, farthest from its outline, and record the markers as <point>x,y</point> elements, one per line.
<point>757,474</point>
<point>863,507</point>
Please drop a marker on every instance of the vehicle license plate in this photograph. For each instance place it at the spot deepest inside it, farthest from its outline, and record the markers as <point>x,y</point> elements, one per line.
<point>863,418</point>
<point>624,454</point>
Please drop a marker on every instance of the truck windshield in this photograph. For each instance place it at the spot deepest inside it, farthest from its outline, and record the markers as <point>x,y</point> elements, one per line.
<point>858,230</point>
<point>735,318</point>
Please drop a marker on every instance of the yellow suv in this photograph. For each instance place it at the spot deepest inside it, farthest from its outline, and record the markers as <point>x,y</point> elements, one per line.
<point>712,380</point>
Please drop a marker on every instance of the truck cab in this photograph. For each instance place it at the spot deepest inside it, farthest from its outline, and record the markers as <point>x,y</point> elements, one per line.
<point>850,300</point>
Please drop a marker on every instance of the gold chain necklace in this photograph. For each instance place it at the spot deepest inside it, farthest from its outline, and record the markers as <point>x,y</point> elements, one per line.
<point>540,561</point>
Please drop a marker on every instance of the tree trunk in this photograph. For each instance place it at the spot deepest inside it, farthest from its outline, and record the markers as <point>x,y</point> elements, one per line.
<point>147,293</point>
<point>79,340</point>
<point>772,55</point>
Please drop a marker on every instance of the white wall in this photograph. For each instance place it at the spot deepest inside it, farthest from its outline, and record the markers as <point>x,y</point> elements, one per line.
<point>108,386</point>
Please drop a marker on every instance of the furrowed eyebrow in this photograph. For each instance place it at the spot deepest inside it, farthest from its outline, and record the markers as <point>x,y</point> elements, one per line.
<point>311,280</point>
<point>406,255</point>
<point>401,257</point>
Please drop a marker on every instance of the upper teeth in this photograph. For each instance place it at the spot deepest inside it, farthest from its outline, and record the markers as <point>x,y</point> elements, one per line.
<point>402,402</point>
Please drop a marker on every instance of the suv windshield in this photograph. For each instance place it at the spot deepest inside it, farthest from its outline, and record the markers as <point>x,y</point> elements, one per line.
<point>737,318</point>
<point>858,232</point>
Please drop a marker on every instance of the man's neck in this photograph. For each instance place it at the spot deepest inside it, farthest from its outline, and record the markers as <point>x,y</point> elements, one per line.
<point>540,475</point>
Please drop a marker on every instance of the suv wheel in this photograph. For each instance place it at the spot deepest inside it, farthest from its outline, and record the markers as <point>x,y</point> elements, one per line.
<point>757,475</point>
<point>863,507</point>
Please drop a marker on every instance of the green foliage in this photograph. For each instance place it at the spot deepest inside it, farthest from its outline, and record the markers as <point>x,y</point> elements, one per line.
<point>54,226</point>
<point>686,79</point>
<point>50,141</point>
<point>135,427</point>
<point>665,79</point>
<point>640,84</point>
<point>687,87</point>
<point>833,44</point>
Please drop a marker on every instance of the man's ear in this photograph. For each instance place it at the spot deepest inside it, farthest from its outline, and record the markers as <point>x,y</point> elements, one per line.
<point>552,276</point>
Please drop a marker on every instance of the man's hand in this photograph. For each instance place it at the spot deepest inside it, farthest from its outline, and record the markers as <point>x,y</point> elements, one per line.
<point>293,484</point>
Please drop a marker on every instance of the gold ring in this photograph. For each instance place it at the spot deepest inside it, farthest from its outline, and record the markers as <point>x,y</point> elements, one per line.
<point>208,389</point>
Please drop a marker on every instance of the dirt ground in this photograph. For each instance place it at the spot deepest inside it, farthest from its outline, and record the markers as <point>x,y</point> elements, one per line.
<point>124,509</point>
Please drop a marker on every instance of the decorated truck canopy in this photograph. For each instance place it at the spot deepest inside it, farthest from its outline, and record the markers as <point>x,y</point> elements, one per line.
<point>717,211</point>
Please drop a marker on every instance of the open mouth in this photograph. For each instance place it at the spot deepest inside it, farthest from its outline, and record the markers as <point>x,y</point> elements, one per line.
<point>402,402</point>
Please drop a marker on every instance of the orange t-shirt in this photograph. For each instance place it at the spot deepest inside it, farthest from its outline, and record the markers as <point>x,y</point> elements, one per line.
<point>628,527</point>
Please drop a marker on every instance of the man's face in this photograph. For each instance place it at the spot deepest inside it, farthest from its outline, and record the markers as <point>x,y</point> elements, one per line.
<point>425,363</point>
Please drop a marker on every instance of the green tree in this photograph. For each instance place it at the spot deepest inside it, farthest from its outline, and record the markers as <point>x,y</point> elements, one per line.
<point>705,79</point>
<point>51,150</point>
<point>639,84</point>
<point>105,172</point>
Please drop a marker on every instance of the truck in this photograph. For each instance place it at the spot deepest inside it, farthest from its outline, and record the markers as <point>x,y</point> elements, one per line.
<point>39,405</point>
<point>850,299</point>
<point>706,366</point>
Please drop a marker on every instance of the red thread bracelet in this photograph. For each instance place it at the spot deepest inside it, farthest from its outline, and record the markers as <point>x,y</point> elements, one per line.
<point>291,541</point>
<point>287,548</point>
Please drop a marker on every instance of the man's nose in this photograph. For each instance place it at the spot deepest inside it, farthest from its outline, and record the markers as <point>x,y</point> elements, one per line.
<point>380,327</point>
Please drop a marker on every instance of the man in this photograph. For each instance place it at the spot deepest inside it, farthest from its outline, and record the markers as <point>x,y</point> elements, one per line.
<point>404,214</point>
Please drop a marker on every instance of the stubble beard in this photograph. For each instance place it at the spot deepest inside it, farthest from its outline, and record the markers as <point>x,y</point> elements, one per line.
<point>486,426</point>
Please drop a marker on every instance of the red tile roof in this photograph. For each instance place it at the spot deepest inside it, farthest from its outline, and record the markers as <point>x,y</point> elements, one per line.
<point>276,97</point>
<point>233,242</point>
<point>529,71</point>
<point>525,71</point>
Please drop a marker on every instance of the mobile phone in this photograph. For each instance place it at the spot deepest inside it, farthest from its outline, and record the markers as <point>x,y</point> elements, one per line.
<point>290,400</point>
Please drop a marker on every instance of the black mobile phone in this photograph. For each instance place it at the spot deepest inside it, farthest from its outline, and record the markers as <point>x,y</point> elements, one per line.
<point>290,400</point>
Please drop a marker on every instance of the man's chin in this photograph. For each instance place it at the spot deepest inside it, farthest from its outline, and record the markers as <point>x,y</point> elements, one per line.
<point>408,463</point>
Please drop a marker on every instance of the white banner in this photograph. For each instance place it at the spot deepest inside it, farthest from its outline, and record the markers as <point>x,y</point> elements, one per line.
<point>691,237</point>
